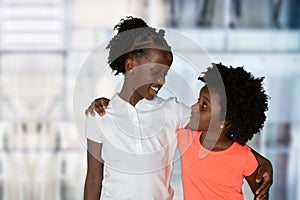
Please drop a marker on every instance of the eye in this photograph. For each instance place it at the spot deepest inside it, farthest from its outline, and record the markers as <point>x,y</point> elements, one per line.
<point>155,72</point>
<point>204,105</point>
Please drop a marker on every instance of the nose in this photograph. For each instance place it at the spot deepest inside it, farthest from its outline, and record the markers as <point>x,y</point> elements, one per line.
<point>161,80</point>
<point>195,107</point>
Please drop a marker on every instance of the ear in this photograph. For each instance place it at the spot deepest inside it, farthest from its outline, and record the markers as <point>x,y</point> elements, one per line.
<point>130,63</point>
<point>227,125</point>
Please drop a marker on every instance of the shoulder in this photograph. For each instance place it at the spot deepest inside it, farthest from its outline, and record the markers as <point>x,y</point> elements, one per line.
<point>186,137</point>
<point>91,119</point>
<point>115,101</point>
<point>186,134</point>
<point>91,129</point>
<point>242,151</point>
<point>186,131</point>
<point>245,148</point>
<point>172,102</point>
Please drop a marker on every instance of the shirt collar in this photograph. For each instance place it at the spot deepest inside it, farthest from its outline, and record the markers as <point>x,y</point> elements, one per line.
<point>116,100</point>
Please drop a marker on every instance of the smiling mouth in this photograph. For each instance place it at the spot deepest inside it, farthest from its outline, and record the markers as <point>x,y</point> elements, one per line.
<point>154,88</point>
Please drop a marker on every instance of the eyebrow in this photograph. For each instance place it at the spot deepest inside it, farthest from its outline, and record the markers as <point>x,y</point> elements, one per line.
<point>206,98</point>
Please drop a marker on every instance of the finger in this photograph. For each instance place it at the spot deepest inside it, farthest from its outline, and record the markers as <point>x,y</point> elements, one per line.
<point>105,102</point>
<point>265,197</point>
<point>87,112</point>
<point>267,177</point>
<point>262,197</point>
<point>100,111</point>
<point>259,175</point>
<point>99,108</point>
<point>101,104</point>
<point>263,189</point>
<point>91,110</point>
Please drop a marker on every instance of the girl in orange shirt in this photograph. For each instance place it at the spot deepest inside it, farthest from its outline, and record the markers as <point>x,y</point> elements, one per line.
<point>215,159</point>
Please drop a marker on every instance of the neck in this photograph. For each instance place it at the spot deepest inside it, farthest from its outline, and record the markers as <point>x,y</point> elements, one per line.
<point>215,142</point>
<point>130,95</point>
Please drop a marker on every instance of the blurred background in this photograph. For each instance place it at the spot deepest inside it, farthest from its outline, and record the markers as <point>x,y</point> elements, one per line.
<point>43,44</point>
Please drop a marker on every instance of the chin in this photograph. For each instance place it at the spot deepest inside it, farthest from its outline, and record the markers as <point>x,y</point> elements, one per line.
<point>149,97</point>
<point>194,129</point>
<point>192,126</point>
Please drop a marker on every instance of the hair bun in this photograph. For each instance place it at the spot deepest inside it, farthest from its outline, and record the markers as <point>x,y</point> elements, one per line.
<point>161,33</point>
<point>130,23</point>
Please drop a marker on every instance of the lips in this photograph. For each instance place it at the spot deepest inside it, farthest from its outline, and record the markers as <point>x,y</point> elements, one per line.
<point>155,88</point>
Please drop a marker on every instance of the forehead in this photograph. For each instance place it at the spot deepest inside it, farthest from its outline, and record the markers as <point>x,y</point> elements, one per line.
<point>209,93</point>
<point>204,90</point>
<point>158,56</point>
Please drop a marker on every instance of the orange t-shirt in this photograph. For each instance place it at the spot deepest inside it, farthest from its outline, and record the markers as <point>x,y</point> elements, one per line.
<point>208,175</point>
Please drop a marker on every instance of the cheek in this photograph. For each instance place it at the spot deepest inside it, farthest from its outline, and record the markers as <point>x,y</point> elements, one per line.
<point>140,81</point>
<point>142,89</point>
<point>194,120</point>
<point>204,121</point>
<point>143,78</point>
<point>193,124</point>
<point>216,116</point>
<point>143,70</point>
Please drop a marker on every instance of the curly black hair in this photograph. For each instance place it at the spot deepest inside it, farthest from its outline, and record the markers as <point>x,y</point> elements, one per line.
<point>245,97</point>
<point>134,37</point>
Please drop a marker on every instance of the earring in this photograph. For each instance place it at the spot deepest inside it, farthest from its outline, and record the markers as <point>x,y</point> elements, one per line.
<point>222,126</point>
<point>130,71</point>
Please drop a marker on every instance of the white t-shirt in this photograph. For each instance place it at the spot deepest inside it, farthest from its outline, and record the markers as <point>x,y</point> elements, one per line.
<point>139,144</point>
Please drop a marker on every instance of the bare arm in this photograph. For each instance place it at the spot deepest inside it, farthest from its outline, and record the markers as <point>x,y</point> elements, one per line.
<point>264,174</point>
<point>94,176</point>
<point>255,185</point>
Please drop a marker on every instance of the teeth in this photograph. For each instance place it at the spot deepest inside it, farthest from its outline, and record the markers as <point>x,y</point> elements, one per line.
<point>154,88</point>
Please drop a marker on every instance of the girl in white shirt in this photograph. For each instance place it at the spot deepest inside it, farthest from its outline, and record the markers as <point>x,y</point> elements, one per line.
<point>136,137</point>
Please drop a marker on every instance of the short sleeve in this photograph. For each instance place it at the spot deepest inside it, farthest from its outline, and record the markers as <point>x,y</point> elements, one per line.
<point>92,130</point>
<point>185,139</point>
<point>183,113</point>
<point>180,112</point>
<point>250,163</point>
